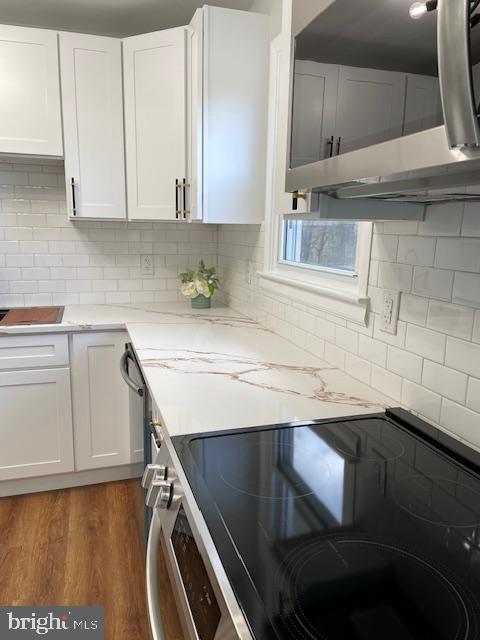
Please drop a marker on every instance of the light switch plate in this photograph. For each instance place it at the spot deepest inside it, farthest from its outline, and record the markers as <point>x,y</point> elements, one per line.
<point>390,310</point>
<point>147,266</point>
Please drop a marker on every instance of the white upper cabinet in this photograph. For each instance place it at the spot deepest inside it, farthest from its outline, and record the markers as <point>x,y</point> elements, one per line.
<point>370,107</point>
<point>228,95</point>
<point>30,120</point>
<point>92,101</point>
<point>315,108</point>
<point>155,123</point>
<point>423,105</point>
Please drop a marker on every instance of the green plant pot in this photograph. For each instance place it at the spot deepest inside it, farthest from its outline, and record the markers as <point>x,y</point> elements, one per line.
<point>201,302</point>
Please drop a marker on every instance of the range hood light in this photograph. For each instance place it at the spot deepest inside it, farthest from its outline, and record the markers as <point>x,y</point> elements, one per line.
<point>417,10</point>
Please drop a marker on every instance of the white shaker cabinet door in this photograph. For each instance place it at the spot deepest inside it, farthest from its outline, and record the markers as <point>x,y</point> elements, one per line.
<point>315,110</point>
<point>35,423</point>
<point>155,122</point>
<point>30,119</point>
<point>423,105</point>
<point>92,101</point>
<point>370,107</point>
<point>101,403</point>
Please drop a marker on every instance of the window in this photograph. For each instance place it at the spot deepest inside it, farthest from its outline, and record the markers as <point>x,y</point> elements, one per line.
<point>320,244</point>
<point>319,263</point>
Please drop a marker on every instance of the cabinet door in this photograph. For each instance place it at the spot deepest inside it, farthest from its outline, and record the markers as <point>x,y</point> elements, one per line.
<point>30,120</point>
<point>314,112</point>
<point>91,72</point>
<point>35,423</point>
<point>155,122</point>
<point>101,403</point>
<point>235,104</point>
<point>195,116</point>
<point>370,107</point>
<point>423,107</point>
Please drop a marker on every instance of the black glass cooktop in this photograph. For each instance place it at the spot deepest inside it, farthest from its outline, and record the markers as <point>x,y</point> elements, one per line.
<point>363,528</point>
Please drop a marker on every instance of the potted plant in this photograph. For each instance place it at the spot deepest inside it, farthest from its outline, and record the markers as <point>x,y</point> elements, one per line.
<point>200,285</point>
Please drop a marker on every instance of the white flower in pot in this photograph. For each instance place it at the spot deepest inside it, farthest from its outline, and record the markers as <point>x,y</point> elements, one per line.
<point>200,285</point>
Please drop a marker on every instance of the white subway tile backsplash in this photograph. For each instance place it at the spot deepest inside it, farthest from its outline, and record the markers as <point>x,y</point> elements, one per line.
<point>395,276</point>
<point>425,342</point>
<point>466,289</point>
<point>444,381</point>
<point>372,350</point>
<point>433,283</point>
<point>442,220</point>
<point>387,382</point>
<point>473,394</point>
<point>416,250</point>
<point>413,309</point>
<point>463,356</point>
<point>53,260</point>
<point>450,319</point>
<point>384,247</point>
<point>461,421</point>
<point>460,255</point>
<point>419,399</point>
<point>404,364</point>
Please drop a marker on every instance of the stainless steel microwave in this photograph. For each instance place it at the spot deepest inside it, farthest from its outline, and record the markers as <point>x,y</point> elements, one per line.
<point>384,99</point>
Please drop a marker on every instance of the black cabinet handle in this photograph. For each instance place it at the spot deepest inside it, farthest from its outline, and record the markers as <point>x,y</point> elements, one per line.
<point>177,210</point>
<point>339,143</point>
<point>186,212</point>
<point>330,144</point>
<point>74,205</point>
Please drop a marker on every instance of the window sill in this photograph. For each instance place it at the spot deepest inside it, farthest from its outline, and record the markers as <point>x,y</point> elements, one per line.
<point>336,301</point>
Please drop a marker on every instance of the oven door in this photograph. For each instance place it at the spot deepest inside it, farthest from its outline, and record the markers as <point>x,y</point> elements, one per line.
<point>382,91</point>
<point>173,531</point>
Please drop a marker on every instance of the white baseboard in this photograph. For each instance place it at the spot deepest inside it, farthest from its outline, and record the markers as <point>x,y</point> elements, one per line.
<point>66,480</point>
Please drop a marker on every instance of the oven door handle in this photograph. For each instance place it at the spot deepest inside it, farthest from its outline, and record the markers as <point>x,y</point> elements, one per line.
<point>154,614</point>
<point>126,356</point>
<point>455,74</point>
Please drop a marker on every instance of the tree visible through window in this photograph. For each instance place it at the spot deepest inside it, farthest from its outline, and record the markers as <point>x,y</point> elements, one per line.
<point>321,243</point>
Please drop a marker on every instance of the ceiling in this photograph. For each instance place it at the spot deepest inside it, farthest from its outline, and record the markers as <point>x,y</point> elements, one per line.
<point>107,17</point>
<point>377,34</point>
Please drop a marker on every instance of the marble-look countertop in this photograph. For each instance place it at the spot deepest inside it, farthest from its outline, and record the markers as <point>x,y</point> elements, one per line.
<point>222,371</point>
<point>216,369</point>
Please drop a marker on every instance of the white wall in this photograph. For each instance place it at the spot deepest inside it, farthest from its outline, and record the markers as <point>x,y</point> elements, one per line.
<point>432,365</point>
<point>47,259</point>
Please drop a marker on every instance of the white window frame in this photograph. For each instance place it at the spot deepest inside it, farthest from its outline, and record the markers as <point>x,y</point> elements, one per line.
<point>343,294</point>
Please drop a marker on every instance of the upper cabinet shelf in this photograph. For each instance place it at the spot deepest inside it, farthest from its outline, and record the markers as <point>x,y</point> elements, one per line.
<point>30,120</point>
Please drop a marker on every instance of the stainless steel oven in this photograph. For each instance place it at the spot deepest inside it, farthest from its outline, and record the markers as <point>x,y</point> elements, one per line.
<point>385,99</point>
<point>206,603</point>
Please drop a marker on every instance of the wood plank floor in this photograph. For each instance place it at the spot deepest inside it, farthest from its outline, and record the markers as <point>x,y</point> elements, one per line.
<point>82,546</point>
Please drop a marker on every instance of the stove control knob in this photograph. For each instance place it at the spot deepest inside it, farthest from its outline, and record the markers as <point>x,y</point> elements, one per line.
<point>153,472</point>
<point>165,495</point>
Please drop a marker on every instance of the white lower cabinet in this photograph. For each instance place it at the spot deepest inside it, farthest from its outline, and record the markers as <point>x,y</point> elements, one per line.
<point>35,423</point>
<point>103,437</point>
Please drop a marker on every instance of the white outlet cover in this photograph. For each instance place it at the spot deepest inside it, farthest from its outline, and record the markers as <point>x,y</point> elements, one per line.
<point>147,266</point>
<point>390,311</point>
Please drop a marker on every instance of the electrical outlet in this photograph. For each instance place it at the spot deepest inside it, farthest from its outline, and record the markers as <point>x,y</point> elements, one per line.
<point>147,265</point>
<point>390,309</point>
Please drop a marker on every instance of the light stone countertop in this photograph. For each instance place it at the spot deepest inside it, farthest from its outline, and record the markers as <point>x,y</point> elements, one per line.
<point>216,369</point>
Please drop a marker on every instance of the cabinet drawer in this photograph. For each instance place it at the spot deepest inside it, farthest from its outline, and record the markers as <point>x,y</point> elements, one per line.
<point>22,352</point>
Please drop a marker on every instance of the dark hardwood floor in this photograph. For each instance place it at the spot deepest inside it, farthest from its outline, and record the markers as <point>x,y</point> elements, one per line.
<point>82,546</point>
